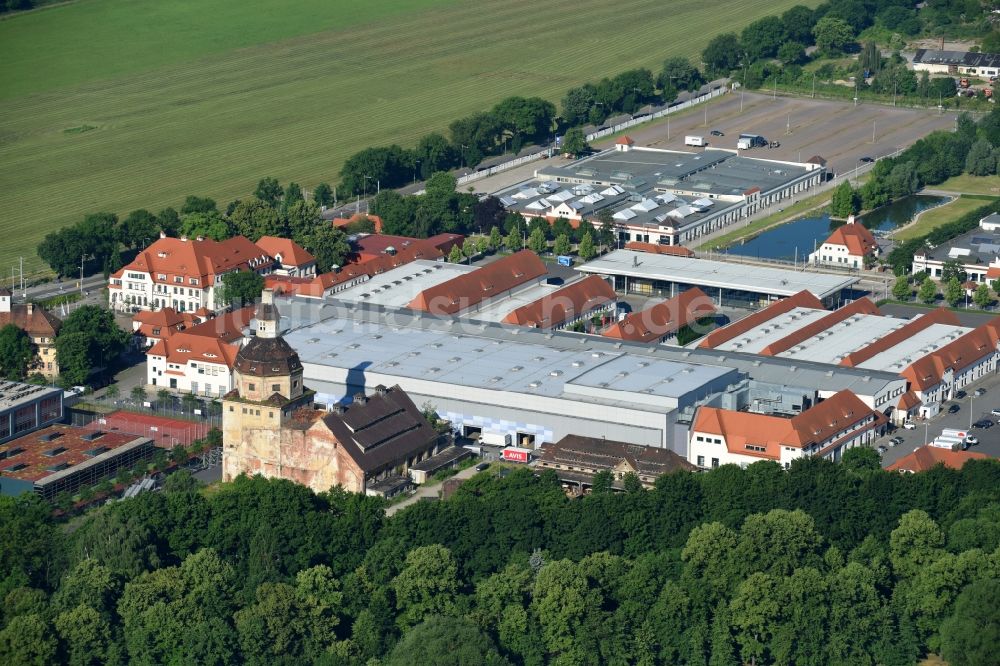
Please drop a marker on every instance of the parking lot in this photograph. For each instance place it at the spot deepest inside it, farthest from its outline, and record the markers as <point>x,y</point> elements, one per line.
<point>977,408</point>
<point>838,131</point>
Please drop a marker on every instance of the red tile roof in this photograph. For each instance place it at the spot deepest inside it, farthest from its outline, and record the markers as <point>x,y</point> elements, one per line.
<point>286,251</point>
<point>228,326</point>
<point>624,140</point>
<point>200,259</point>
<point>957,355</point>
<point>184,347</point>
<point>467,290</point>
<point>68,438</point>
<point>162,323</point>
<point>315,287</point>
<point>652,324</point>
<point>928,456</point>
<point>564,304</point>
<point>375,245</point>
<point>855,237</point>
<point>656,248</point>
<point>860,306</point>
<point>35,320</point>
<point>803,299</point>
<point>993,272</point>
<point>816,425</point>
<point>905,332</point>
<point>908,401</point>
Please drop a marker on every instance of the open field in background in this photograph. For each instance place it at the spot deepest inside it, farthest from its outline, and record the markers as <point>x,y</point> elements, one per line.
<point>935,217</point>
<point>989,185</point>
<point>144,117</point>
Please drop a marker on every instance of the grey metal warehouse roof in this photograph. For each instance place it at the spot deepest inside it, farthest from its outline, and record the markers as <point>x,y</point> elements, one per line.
<point>718,274</point>
<point>399,329</point>
<point>720,172</point>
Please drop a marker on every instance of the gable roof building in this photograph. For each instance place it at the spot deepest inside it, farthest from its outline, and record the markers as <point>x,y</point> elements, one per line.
<point>292,259</point>
<point>849,245</point>
<point>39,324</point>
<point>721,436</point>
<point>183,274</point>
<point>927,457</point>
<point>956,62</point>
<point>490,281</point>
<point>803,299</point>
<point>663,320</point>
<point>151,326</point>
<point>577,458</point>
<point>565,306</point>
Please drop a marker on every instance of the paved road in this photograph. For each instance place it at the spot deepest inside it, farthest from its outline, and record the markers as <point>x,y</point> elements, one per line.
<point>428,492</point>
<point>978,408</point>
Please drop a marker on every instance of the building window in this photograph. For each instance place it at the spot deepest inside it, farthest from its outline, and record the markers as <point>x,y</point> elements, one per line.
<point>715,463</point>
<point>251,387</point>
<point>231,408</point>
<point>701,461</point>
<point>275,388</point>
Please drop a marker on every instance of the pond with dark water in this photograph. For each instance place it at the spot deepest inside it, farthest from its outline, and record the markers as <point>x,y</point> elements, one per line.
<point>807,233</point>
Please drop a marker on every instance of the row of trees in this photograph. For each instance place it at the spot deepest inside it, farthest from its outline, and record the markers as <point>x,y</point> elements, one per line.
<point>823,563</point>
<point>954,292</point>
<point>513,123</point>
<point>833,28</point>
<point>273,210</point>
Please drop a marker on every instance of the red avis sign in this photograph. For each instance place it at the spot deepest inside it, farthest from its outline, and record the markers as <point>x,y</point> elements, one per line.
<point>513,454</point>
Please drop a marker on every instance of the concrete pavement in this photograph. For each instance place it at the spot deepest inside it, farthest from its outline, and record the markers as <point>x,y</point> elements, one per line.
<point>428,491</point>
<point>977,408</point>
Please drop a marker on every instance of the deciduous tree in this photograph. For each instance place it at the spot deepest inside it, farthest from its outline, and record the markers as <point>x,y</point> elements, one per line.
<point>928,291</point>
<point>832,34</point>
<point>240,288</point>
<point>17,353</point>
<point>426,586</point>
<point>574,142</point>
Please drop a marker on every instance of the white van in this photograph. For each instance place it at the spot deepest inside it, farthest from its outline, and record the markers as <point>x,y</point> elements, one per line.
<point>744,144</point>
<point>698,141</point>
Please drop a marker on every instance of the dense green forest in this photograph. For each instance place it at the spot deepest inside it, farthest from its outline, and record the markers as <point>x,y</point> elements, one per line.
<point>823,564</point>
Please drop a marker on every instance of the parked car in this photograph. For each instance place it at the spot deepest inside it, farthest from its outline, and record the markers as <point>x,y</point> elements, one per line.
<point>971,440</point>
<point>995,412</point>
<point>909,425</point>
<point>482,466</point>
<point>867,160</point>
<point>954,409</point>
<point>882,450</point>
<point>979,392</point>
<point>982,423</point>
<point>895,441</point>
<point>960,394</point>
<point>717,133</point>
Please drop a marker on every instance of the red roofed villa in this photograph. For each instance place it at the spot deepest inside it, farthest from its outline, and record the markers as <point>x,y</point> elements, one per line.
<point>849,245</point>
<point>927,457</point>
<point>488,282</point>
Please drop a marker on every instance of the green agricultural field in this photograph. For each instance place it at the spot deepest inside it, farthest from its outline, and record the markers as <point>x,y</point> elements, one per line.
<point>121,104</point>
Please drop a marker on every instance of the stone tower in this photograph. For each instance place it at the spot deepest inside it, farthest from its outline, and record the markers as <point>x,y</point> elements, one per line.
<point>268,386</point>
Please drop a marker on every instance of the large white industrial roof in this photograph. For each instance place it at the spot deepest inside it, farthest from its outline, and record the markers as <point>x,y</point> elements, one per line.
<point>851,334</point>
<point>467,359</point>
<point>897,358</point>
<point>717,274</point>
<point>399,286</point>
<point>761,336</point>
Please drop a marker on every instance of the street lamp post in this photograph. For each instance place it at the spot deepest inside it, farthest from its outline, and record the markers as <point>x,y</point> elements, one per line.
<point>926,427</point>
<point>415,165</point>
<point>464,147</point>
<point>366,185</point>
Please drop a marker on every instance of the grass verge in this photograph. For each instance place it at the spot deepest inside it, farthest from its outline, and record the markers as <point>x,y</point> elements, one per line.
<point>988,185</point>
<point>788,214</point>
<point>927,220</point>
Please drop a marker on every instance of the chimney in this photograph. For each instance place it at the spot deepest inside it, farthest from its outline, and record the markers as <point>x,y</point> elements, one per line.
<point>31,308</point>
<point>184,239</point>
<point>200,238</point>
<point>267,296</point>
<point>337,408</point>
<point>850,219</point>
<point>163,234</point>
<point>360,399</point>
<point>381,389</point>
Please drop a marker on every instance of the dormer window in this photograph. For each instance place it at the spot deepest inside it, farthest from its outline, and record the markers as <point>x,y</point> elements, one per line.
<point>194,280</point>
<point>178,279</point>
<point>161,276</point>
